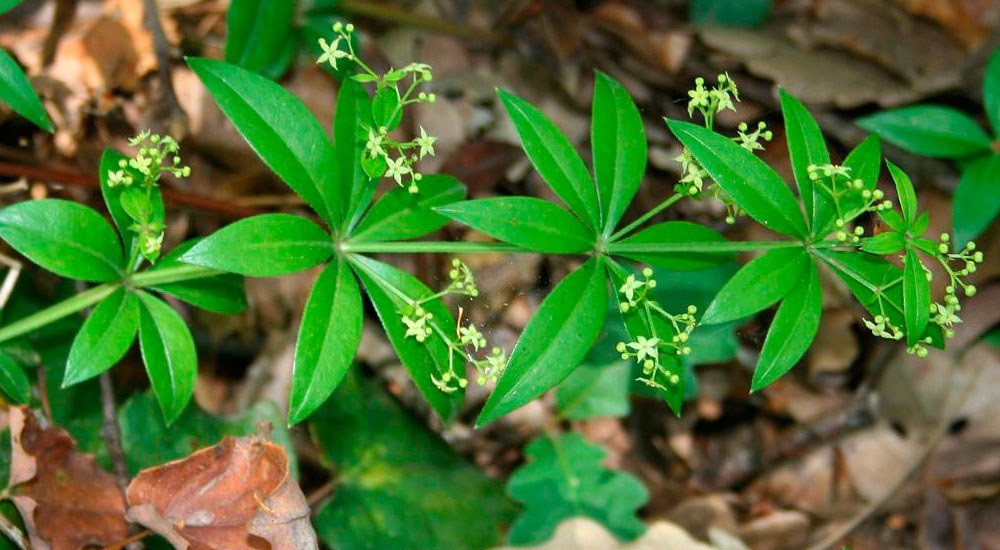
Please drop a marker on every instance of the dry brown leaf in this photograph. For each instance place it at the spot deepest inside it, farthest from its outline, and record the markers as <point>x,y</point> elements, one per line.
<point>66,500</point>
<point>237,495</point>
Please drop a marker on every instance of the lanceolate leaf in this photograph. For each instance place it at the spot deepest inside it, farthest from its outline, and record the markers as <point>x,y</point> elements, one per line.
<point>757,285</point>
<point>328,338</point>
<point>555,341</point>
<point>865,163</point>
<point>618,141</point>
<point>13,382</point>
<point>104,337</point>
<point>401,215</point>
<point>258,33</point>
<point>112,195</point>
<point>884,243</point>
<point>16,91</point>
<point>554,157</point>
<point>266,245</point>
<point>873,280</point>
<point>386,287</point>
<point>904,190</point>
<point>977,198</point>
<point>793,329</point>
<point>64,237</point>
<point>532,223</point>
<point>991,92</point>
<point>677,232</point>
<point>279,128</point>
<point>916,297</point>
<point>354,108</point>
<point>929,130</point>
<point>169,354</point>
<point>219,293</point>
<point>806,147</point>
<point>747,179</point>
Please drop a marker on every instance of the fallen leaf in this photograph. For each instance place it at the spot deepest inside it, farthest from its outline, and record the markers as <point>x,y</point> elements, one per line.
<point>237,495</point>
<point>66,500</point>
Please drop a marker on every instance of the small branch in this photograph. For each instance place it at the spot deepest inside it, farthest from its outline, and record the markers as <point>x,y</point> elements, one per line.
<point>134,538</point>
<point>161,48</point>
<point>62,18</point>
<point>112,432</point>
<point>13,533</point>
<point>43,391</point>
<point>77,179</point>
<point>321,492</point>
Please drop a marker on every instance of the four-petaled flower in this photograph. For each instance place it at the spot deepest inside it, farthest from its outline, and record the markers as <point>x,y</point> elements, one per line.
<point>426,143</point>
<point>629,287</point>
<point>396,169</point>
<point>331,52</point>
<point>415,327</point>
<point>118,177</point>
<point>645,348</point>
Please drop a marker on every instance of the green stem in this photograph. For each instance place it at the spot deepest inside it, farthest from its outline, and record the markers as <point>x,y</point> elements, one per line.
<point>57,311</point>
<point>645,217</point>
<point>442,247</point>
<point>172,275</point>
<point>708,247</point>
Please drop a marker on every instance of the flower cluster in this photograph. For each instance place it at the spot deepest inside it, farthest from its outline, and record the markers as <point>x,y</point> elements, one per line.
<point>694,181</point>
<point>140,177</point>
<point>672,337</point>
<point>385,155</point>
<point>968,259</point>
<point>467,342</point>
<point>850,197</point>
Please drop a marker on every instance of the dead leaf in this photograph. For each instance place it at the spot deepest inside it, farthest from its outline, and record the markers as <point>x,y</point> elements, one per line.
<point>237,495</point>
<point>66,500</point>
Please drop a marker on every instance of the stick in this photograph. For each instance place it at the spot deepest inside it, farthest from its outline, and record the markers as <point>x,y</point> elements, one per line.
<point>112,432</point>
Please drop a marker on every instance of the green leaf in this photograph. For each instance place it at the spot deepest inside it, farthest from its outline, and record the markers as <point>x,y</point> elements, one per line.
<point>594,391</point>
<point>564,478</point>
<point>865,162</point>
<point>66,238</point>
<point>16,92</point>
<point>401,215</point>
<point>977,198</point>
<point>618,141</point>
<point>904,190</point>
<point>527,222</point>
<point>884,243</point>
<point>354,110</point>
<point>677,232</point>
<point>104,337</point>
<point>328,339</point>
<point>916,297</point>
<point>872,279</point>
<point>554,342</point>
<point>258,34</point>
<point>554,157</point>
<point>386,109</point>
<point>929,130</point>
<point>219,293</point>
<point>386,287</point>
<point>279,128</point>
<point>730,13</point>
<point>806,147</point>
<point>112,195</point>
<point>398,485</point>
<point>991,92</point>
<point>13,382</point>
<point>635,325</point>
<point>747,179</point>
<point>169,354</point>
<point>792,331</point>
<point>6,6</point>
<point>757,285</point>
<point>266,245</point>
<point>148,441</point>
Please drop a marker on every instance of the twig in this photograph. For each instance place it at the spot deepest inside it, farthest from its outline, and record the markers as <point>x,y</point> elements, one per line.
<point>13,533</point>
<point>9,280</point>
<point>321,492</point>
<point>112,432</point>
<point>62,18</point>
<point>78,179</point>
<point>43,391</point>
<point>934,437</point>
<point>161,48</point>
<point>134,538</point>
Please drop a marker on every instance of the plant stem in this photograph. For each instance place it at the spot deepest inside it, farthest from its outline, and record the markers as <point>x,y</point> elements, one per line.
<point>58,311</point>
<point>442,247</point>
<point>645,217</point>
<point>708,247</point>
<point>172,275</point>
